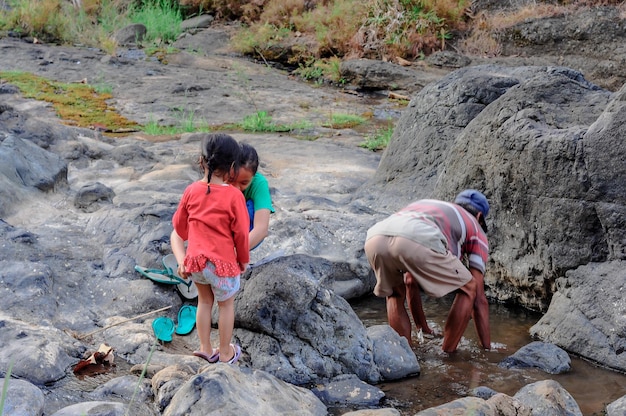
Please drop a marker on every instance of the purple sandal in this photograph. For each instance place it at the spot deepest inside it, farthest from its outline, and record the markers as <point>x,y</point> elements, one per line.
<point>210,358</point>
<point>236,355</point>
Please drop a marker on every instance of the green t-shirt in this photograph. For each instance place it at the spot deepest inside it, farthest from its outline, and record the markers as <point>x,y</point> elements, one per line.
<point>259,193</point>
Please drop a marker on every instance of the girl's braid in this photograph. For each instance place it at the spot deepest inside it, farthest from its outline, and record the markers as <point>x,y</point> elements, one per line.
<point>221,154</point>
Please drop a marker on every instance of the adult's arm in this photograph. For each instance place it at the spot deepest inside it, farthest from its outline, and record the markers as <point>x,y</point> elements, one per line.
<point>261,227</point>
<point>480,312</point>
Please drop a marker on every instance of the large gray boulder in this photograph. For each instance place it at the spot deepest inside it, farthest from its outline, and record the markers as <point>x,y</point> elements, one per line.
<point>26,357</point>
<point>591,39</point>
<point>543,398</point>
<point>616,408</point>
<point>527,151</point>
<point>535,140</point>
<point>544,356</point>
<point>586,315</point>
<point>222,389</point>
<point>436,116</point>
<point>548,398</point>
<point>296,328</point>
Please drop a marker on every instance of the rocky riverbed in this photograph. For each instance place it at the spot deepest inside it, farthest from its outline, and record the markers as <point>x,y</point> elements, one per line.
<point>75,228</point>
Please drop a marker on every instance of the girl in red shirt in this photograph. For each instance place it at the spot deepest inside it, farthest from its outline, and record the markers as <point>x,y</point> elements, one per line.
<point>213,219</point>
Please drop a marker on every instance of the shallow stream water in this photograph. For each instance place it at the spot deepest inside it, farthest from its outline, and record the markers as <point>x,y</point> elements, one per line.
<point>446,377</point>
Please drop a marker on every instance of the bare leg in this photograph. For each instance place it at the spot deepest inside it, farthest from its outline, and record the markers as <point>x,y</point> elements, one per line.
<point>203,317</point>
<point>414,301</point>
<point>396,312</point>
<point>459,316</point>
<point>226,324</point>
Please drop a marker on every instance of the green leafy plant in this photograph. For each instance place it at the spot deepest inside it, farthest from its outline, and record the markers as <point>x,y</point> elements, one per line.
<point>162,19</point>
<point>186,123</point>
<point>261,122</point>
<point>153,128</point>
<point>379,140</point>
<point>320,69</point>
<point>310,71</point>
<point>344,121</point>
<point>102,87</point>
<point>93,22</point>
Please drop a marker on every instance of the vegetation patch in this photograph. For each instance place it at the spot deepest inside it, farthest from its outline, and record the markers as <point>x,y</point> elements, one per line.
<point>379,140</point>
<point>93,22</point>
<point>344,121</point>
<point>321,70</point>
<point>261,122</point>
<point>75,103</point>
<point>377,29</point>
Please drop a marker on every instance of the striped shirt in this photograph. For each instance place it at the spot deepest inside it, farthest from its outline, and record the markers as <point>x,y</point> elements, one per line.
<point>440,226</point>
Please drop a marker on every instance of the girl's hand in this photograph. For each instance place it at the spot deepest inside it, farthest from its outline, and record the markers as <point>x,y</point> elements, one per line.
<point>181,271</point>
<point>243,267</point>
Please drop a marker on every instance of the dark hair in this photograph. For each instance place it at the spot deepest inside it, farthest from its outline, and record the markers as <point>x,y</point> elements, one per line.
<point>219,153</point>
<point>474,211</point>
<point>249,158</point>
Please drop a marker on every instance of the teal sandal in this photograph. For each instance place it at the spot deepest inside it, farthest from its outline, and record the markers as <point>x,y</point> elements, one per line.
<point>186,319</point>
<point>158,275</point>
<point>169,276</point>
<point>163,328</point>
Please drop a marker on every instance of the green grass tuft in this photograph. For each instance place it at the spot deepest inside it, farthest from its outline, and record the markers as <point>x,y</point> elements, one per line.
<point>379,140</point>
<point>344,121</point>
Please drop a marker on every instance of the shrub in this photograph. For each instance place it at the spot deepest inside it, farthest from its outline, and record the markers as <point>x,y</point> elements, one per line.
<point>41,19</point>
<point>94,22</point>
<point>162,18</point>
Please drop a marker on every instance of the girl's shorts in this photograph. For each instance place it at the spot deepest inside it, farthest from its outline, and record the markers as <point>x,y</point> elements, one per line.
<point>223,287</point>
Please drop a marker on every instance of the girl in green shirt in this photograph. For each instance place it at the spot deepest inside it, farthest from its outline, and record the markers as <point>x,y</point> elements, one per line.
<point>256,191</point>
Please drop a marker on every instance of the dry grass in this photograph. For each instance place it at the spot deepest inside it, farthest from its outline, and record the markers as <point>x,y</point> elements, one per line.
<point>501,20</point>
<point>484,25</point>
<point>379,29</point>
<point>333,26</point>
<point>480,43</point>
<point>451,10</point>
<point>38,18</point>
<point>222,9</point>
<point>281,12</point>
<point>309,29</point>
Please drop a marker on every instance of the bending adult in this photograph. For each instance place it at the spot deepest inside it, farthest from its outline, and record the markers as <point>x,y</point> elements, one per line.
<point>422,247</point>
<point>256,191</point>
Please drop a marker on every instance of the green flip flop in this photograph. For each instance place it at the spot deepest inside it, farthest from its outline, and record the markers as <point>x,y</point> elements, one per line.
<point>186,288</point>
<point>158,275</point>
<point>186,319</point>
<point>163,328</point>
